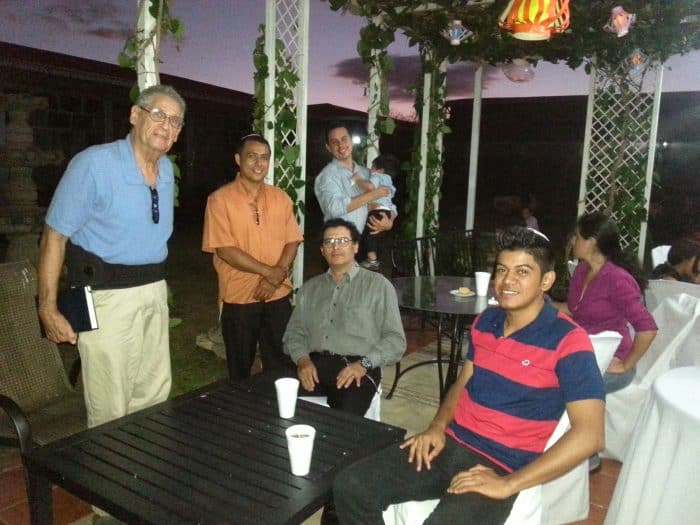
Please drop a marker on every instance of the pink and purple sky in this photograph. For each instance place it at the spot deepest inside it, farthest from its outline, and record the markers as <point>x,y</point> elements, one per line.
<point>220,37</point>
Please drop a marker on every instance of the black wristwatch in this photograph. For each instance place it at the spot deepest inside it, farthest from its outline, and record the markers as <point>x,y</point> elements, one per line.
<point>366,363</point>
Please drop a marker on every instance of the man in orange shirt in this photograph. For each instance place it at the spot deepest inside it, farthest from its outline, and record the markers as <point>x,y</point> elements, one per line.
<point>250,228</point>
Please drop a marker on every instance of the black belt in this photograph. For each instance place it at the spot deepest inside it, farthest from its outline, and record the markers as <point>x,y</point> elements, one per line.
<point>328,353</point>
<point>86,268</point>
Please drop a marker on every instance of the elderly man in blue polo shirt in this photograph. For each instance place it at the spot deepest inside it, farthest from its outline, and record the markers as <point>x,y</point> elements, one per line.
<point>337,192</point>
<point>109,221</point>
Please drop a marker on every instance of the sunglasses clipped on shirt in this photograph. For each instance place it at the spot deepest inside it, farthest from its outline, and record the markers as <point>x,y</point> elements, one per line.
<point>155,211</point>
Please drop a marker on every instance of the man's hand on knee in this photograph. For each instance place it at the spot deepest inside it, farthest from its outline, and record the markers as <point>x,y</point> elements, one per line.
<point>307,373</point>
<point>483,480</point>
<point>423,448</point>
<point>354,372</point>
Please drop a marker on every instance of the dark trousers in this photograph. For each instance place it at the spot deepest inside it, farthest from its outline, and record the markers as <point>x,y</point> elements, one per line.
<point>243,326</point>
<point>368,487</point>
<point>353,399</point>
<point>372,243</point>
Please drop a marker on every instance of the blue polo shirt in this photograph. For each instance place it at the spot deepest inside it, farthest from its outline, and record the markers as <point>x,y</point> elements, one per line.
<point>103,204</point>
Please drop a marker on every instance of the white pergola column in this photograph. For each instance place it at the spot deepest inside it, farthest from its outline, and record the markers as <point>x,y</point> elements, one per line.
<point>374,93</point>
<point>424,123</point>
<point>474,147</point>
<point>287,21</point>
<point>147,64</point>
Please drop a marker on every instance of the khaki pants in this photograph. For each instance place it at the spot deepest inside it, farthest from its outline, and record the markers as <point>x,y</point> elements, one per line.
<point>126,361</point>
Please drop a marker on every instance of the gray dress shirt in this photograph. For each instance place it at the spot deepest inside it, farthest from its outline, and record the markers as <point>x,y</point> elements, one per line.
<point>360,316</point>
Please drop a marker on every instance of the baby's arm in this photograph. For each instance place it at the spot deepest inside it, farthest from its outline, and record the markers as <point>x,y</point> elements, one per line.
<point>362,183</point>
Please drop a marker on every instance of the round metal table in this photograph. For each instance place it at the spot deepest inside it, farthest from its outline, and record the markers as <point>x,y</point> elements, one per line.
<point>431,294</point>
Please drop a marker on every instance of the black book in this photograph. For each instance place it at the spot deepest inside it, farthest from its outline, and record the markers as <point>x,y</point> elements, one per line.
<point>78,308</point>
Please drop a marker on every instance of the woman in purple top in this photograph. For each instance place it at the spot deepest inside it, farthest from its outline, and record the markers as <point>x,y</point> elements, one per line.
<point>605,293</point>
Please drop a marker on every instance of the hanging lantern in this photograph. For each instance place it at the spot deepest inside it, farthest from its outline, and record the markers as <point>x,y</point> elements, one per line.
<point>518,70</point>
<point>456,33</point>
<point>535,19</point>
<point>620,21</point>
<point>637,61</point>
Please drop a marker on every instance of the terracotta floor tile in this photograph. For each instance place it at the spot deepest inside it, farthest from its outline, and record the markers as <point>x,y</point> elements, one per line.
<point>12,487</point>
<point>15,515</point>
<point>67,508</point>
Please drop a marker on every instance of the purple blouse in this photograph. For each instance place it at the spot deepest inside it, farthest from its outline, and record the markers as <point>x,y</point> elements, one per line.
<point>611,300</point>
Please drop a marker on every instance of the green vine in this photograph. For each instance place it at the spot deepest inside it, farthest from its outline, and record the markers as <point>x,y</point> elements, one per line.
<point>287,155</point>
<point>662,29</point>
<point>437,126</point>
<point>372,48</point>
<point>137,43</point>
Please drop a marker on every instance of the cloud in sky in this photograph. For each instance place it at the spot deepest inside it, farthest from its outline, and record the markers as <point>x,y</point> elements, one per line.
<point>460,76</point>
<point>107,19</point>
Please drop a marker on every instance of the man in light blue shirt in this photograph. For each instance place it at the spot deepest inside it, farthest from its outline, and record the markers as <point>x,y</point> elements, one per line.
<point>109,221</point>
<point>338,194</point>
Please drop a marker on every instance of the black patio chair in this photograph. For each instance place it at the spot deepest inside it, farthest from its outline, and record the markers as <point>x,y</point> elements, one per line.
<point>411,257</point>
<point>456,253</point>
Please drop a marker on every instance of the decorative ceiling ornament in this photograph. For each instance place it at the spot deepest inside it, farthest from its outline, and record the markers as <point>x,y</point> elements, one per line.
<point>456,33</point>
<point>518,70</point>
<point>535,19</point>
<point>620,21</point>
<point>638,61</point>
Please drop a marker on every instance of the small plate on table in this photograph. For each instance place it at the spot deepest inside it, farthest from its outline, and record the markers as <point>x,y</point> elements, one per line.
<point>457,294</point>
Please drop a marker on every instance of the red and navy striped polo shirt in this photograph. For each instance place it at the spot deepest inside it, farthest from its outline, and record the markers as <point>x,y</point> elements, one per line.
<point>521,384</point>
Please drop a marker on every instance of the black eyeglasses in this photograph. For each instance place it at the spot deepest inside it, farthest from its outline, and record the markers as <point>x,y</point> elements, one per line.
<point>155,212</point>
<point>158,115</point>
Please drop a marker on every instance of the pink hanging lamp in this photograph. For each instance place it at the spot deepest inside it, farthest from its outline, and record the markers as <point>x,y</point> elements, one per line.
<point>535,19</point>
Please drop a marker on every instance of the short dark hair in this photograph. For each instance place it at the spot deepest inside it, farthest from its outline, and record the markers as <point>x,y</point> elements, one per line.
<point>682,250</point>
<point>253,137</point>
<point>341,223</point>
<point>528,240</point>
<point>335,125</point>
<point>387,162</point>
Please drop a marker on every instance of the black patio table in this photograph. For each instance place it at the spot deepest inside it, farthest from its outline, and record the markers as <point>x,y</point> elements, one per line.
<point>217,455</point>
<point>432,294</point>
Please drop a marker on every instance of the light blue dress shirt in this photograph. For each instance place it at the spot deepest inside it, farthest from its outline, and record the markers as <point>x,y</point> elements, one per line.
<point>334,189</point>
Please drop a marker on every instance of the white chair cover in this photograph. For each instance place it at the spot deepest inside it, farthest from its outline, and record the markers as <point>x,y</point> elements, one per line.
<point>562,500</point>
<point>373,412</point>
<point>659,255</point>
<point>659,289</point>
<point>675,345</point>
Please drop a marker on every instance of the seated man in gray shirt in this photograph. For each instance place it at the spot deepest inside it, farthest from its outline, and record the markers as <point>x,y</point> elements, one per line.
<point>345,326</point>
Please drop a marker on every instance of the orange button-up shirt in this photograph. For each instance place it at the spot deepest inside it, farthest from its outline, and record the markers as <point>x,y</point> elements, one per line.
<point>230,220</point>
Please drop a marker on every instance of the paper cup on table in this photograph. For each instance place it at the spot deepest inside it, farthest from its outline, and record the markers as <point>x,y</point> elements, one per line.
<point>287,389</point>
<point>482,283</point>
<point>300,443</point>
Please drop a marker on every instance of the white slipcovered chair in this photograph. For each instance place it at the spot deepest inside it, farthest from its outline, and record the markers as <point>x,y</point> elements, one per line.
<point>675,345</point>
<point>660,289</point>
<point>659,255</point>
<point>373,412</point>
<point>562,500</point>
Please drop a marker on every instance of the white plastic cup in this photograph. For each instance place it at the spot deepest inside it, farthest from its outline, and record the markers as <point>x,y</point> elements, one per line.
<point>482,283</point>
<point>300,443</point>
<point>287,388</point>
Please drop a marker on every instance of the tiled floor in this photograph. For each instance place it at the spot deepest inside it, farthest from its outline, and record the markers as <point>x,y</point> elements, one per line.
<point>68,509</point>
